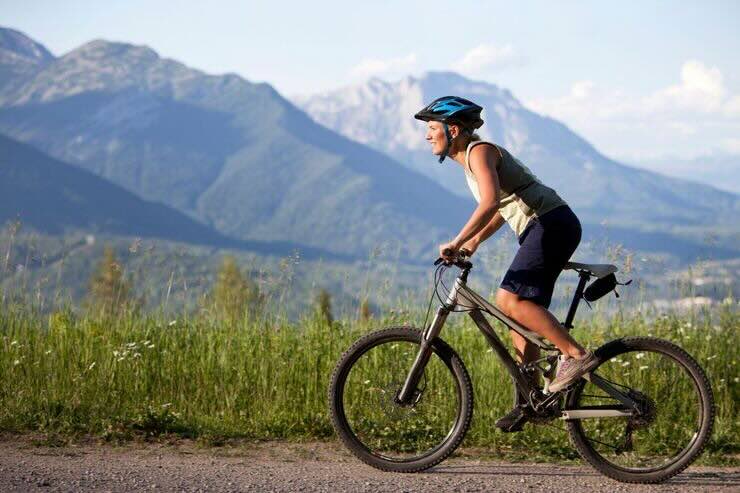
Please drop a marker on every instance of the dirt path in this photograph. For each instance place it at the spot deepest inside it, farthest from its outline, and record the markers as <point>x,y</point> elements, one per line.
<point>273,466</point>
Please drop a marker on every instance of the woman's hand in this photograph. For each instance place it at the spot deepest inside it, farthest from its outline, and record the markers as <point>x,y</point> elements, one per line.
<point>448,250</point>
<point>471,246</point>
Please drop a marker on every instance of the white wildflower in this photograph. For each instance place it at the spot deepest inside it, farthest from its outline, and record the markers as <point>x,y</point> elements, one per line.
<point>16,362</point>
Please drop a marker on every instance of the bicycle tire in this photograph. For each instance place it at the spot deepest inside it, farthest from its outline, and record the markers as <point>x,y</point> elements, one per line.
<point>344,430</point>
<point>706,409</point>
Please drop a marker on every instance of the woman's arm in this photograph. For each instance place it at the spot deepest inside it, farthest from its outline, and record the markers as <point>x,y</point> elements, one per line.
<point>493,225</point>
<point>483,163</point>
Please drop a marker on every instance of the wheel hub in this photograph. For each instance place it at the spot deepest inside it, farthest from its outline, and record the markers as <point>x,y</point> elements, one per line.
<point>647,410</point>
<point>388,398</point>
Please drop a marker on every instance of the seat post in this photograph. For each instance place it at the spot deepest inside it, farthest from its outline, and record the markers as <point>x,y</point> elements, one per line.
<point>584,276</point>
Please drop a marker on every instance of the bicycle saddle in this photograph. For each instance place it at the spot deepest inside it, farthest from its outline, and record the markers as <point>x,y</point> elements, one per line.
<point>597,270</point>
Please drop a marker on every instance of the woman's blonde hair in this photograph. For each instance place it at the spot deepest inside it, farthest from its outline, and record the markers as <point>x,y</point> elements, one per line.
<point>471,137</point>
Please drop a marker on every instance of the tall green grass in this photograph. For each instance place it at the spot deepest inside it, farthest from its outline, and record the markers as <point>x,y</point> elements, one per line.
<point>147,375</point>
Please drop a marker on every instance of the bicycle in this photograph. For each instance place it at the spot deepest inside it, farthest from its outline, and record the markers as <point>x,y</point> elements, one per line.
<point>401,398</point>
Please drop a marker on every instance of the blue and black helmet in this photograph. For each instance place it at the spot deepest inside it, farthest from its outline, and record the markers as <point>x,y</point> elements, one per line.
<point>452,110</point>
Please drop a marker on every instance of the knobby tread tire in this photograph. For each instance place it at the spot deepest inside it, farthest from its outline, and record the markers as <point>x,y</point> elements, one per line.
<point>620,346</point>
<point>446,354</point>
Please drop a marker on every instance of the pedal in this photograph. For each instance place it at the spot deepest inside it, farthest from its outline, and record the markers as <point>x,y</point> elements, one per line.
<point>513,421</point>
<point>517,426</point>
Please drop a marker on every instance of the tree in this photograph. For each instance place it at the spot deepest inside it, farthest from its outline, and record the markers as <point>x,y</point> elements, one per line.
<point>234,294</point>
<point>323,306</point>
<point>109,290</point>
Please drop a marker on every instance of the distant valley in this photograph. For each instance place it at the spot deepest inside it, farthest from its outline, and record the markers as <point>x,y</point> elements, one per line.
<point>114,141</point>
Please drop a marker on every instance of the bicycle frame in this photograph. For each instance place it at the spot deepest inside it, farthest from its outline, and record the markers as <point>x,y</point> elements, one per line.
<point>460,292</point>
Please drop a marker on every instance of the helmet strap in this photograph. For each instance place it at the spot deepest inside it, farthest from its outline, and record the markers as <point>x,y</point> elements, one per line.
<point>448,137</point>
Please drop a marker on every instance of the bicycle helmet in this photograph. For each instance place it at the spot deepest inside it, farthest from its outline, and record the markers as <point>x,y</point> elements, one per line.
<point>452,110</point>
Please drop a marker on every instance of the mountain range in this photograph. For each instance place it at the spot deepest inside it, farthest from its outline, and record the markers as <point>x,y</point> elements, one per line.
<point>232,154</point>
<point>718,169</point>
<point>379,114</point>
<point>249,165</point>
<point>56,197</point>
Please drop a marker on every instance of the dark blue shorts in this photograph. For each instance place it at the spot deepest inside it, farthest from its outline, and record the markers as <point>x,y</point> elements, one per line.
<point>545,246</point>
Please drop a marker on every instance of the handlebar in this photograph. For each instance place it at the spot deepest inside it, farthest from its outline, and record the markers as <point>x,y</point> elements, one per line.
<point>459,259</point>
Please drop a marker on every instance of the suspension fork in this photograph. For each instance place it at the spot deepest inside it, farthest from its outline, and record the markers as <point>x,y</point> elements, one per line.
<point>406,393</point>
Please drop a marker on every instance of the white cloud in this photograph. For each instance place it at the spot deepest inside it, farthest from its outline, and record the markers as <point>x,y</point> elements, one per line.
<point>695,114</point>
<point>584,102</point>
<point>731,145</point>
<point>732,107</point>
<point>701,89</point>
<point>377,66</point>
<point>582,89</point>
<point>487,56</point>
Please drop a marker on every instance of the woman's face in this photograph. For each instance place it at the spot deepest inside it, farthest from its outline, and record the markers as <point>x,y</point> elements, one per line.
<point>436,136</point>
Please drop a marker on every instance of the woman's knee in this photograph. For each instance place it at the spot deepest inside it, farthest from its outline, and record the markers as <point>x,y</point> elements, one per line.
<point>506,301</point>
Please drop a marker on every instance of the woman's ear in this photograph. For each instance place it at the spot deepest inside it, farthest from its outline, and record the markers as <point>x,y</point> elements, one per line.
<point>454,130</point>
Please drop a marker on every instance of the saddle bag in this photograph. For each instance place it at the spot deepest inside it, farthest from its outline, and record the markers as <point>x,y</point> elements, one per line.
<point>601,287</point>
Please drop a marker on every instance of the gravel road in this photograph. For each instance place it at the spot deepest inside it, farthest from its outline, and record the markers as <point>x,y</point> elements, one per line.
<point>271,466</point>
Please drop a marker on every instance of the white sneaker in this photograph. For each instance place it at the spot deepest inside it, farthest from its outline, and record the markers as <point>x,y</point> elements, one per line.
<point>572,369</point>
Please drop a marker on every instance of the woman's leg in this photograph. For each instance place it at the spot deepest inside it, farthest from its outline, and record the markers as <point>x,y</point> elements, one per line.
<point>526,290</point>
<point>537,319</point>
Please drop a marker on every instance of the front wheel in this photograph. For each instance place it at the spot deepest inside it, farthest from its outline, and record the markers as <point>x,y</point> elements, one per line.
<point>674,422</point>
<point>378,429</point>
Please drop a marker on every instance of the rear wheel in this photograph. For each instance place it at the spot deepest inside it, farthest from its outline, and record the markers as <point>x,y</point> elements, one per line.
<point>676,418</point>
<point>380,431</point>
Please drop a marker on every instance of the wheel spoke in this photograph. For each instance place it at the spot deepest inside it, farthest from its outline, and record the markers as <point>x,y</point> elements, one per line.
<point>394,432</point>
<point>656,436</point>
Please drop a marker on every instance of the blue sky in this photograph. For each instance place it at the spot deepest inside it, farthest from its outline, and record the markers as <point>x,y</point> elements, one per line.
<point>638,79</point>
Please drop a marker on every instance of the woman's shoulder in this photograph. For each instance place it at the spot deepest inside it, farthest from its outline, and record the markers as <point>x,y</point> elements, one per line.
<point>474,143</point>
<point>490,152</point>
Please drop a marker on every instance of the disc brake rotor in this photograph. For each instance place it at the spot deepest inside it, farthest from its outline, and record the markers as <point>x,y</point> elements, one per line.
<point>387,397</point>
<point>648,410</point>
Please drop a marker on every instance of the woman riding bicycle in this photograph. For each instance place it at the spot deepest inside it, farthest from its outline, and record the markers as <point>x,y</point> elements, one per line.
<point>548,232</point>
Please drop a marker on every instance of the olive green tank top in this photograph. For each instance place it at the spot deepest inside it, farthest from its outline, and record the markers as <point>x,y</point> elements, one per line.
<point>522,196</point>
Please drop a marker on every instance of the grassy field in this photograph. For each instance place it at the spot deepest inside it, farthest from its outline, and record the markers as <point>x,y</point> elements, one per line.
<point>147,376</point>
